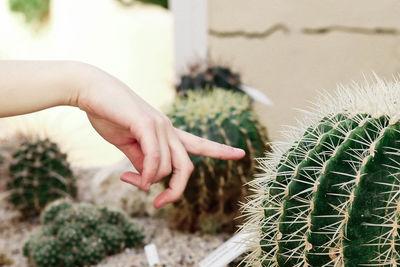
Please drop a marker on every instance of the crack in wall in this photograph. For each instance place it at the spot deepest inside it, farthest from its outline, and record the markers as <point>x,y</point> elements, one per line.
<point>306,30</point>
<point>350,29</point>
<point>250,35</point>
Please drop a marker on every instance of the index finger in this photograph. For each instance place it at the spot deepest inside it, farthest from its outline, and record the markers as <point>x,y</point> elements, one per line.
<point>199,146</point>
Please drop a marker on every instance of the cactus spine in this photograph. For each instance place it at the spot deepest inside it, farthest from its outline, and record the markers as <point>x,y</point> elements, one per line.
<point>330,197</point>
<point>39,173</point>
<point>80,235</point>
<point>210,201</point>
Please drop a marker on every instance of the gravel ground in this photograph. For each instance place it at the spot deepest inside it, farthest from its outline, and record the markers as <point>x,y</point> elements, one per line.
<point>175,249</point>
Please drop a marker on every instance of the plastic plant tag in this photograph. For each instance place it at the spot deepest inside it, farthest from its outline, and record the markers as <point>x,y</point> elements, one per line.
<point>256,94</point>
<point>227,252</point>
<point>151,254</point>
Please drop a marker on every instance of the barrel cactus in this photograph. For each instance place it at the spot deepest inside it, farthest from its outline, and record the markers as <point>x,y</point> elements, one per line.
<point>208,79</point>
<point>330,196</point>
<point>210,201</point>
<point>80,235</point>
<point>38,174</point>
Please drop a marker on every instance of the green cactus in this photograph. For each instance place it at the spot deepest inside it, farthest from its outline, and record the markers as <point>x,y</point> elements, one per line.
<point>39,173</point>
<point>212,77</point>
<point>80,235</point>
<point>33,10</point>
<point>210,201</point>
<point>330,197</point>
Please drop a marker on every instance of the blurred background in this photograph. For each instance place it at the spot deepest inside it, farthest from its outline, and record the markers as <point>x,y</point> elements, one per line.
<point>288,50</point>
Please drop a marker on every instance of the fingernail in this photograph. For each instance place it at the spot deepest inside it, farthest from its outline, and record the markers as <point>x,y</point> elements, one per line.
<point>239,150</point>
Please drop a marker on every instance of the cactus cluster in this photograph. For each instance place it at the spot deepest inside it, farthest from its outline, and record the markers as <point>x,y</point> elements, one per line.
<point>330,196</point>
<point>38,174</point>
<point>33,10</point>
<point>80,235</point>
<point>212,77</point>
<point>210,201</point>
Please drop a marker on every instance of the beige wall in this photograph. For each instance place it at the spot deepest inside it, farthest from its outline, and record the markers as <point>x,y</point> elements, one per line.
<point>291,65</point>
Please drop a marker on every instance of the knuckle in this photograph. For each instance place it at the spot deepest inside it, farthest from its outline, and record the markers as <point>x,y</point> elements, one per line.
<point>165,171</point>
<point>156,155</point>
<point>159,120</point>
<point>190,167</point>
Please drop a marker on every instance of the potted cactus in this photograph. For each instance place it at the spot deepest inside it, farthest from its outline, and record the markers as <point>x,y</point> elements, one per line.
<point>330,195</point>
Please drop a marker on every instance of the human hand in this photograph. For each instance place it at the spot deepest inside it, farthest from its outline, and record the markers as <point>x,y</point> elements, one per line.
<point>144,135</point>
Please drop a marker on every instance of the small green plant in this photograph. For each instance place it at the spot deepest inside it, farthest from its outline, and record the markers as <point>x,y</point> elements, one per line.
<point>163,3</point>
<point>210,201</point>
<point>80,235</point>
<point>208,79</point>
<point>33,10</point>
<point>330,196</point>
<point>38,174</point>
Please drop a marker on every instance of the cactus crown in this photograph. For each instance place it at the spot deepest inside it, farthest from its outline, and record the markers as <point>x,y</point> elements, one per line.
<point>80,235</point>
<point>210,201</point>
<point>330,196</point>
<point>39,173</point>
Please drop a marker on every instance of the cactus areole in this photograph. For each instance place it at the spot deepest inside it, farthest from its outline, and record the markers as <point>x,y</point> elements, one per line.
<point>330,196</point>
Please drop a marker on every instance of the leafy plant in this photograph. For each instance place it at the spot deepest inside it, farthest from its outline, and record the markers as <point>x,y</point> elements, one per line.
<point>33,10</point>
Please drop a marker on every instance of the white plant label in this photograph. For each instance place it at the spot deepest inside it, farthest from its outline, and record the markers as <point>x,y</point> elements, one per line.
<point>227,252</point>
<point>151,254</point>
<point>256,94</point>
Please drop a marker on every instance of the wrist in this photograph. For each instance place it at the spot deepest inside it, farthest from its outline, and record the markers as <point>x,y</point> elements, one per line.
<point>82,76</point>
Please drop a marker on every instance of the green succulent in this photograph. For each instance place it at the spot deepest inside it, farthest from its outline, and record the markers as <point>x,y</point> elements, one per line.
<point>79,235</point>
<point>33,10</point>
<point>210,201</point>
<point>330,197</point>
<point>39,173</point>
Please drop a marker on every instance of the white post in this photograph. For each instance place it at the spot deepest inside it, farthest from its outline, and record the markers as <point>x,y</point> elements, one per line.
<point>190,32</point>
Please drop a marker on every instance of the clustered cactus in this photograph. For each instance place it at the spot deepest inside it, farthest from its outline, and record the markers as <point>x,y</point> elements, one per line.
<point>330,197</point>
<point>33,10</point>
<point>210,201</point>
<point>212,77</point>
<point>38,174</point>
<point>80,235</point>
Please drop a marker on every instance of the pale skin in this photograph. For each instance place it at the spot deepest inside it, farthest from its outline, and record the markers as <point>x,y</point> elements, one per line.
<point>121,117</point>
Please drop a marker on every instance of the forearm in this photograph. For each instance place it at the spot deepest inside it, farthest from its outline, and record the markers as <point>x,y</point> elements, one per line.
<point>28,86</point>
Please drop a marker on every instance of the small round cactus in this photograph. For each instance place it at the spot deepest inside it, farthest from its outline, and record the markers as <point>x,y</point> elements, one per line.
<point>208,79</point>
<point>39,173</point>
<point>210,201</point>
<point>79,235</point>
<point>330,196</point>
